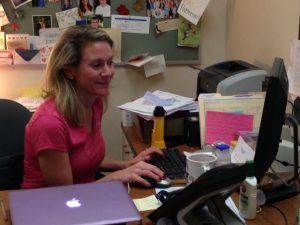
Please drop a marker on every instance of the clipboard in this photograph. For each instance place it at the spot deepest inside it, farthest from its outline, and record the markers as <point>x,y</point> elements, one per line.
<point>251,104</point>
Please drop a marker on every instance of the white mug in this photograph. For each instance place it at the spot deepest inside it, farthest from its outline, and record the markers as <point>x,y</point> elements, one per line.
<point>198,163</point>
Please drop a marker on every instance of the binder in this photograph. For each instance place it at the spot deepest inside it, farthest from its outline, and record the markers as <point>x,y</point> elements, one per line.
<point>251,104</point>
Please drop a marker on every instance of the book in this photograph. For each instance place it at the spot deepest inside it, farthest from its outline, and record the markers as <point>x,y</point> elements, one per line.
<point>192,10</point>
<point>188,33</point>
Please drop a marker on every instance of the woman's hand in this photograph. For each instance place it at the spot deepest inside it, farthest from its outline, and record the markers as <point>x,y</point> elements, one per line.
<point>145,155</point>
<point>135,174</point>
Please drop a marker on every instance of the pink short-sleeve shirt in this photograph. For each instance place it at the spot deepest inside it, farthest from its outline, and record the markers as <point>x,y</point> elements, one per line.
<point>47,129</point>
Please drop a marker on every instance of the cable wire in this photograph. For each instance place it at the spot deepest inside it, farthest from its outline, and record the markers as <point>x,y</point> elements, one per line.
<point>281,212</point>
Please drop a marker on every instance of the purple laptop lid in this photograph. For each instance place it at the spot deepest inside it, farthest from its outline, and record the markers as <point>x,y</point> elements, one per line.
<point>80,204</point>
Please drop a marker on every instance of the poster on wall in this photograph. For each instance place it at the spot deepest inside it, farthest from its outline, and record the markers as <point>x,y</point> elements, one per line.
<point>18,3</point>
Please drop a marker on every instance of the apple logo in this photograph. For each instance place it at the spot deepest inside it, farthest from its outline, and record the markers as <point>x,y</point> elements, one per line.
<point>73,203</point>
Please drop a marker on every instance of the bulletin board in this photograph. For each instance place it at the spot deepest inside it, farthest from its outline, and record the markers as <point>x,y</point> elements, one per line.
<point>132,44</point>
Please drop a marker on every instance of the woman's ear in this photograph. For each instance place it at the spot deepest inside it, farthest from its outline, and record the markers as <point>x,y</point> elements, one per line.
<point>68,73</point>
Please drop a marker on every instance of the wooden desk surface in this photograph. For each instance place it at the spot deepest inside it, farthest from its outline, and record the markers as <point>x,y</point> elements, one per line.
<point>268,216</point>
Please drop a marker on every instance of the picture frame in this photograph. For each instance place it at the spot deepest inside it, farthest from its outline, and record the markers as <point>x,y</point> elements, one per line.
<point>17,3</point>
<point>40,22</point>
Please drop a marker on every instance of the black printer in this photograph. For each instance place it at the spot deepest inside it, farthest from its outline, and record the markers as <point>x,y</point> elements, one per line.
<point>230,77</point>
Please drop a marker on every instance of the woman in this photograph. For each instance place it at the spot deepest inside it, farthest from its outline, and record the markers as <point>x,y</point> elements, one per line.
<point>85,8</point>
<point>63,140</point>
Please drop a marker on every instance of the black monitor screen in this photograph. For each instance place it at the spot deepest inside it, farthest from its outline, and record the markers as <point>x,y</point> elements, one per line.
<point>273,118</point>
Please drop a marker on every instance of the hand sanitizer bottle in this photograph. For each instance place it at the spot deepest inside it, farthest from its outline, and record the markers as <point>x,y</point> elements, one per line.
<point>248,193</point>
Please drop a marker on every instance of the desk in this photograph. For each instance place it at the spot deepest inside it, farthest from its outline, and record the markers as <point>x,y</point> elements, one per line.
<point>268,216</point>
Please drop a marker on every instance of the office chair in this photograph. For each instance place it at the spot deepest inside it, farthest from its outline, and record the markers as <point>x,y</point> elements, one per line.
<point>13,118</point>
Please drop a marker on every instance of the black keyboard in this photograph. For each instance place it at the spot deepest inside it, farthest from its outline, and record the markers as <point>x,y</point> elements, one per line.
<point>173,163</point>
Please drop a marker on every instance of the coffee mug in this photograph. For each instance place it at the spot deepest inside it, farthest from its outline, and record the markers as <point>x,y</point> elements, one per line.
<point>199,163</point>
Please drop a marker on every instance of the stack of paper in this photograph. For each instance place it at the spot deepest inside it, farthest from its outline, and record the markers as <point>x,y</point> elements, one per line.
<point>145,105</point>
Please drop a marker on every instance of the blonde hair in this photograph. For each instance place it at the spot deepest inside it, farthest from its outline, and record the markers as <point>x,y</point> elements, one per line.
<point>68,52</point>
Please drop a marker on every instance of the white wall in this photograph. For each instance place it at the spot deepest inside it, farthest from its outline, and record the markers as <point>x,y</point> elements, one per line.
<point>130,83</point>
<point>258,31</point>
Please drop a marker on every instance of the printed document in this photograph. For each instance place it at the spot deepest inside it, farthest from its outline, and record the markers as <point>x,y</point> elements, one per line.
<point>192,10</point>
<point>131,24</point>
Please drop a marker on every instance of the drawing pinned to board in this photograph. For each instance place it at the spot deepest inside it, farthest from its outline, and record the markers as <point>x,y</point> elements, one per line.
<point>18,3</point>
<point>188,33</point>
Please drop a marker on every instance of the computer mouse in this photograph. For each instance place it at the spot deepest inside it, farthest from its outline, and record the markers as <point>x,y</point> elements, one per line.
<point>164,183</point>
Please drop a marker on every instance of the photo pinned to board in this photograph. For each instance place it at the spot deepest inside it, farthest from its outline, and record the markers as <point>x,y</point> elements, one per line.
<point>41,22</point>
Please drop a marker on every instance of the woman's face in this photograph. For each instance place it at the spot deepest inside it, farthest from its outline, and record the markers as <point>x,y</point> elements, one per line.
<point>93,75</point>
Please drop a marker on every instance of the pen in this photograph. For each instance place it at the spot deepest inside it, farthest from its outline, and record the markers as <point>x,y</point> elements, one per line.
<point>3,210</point>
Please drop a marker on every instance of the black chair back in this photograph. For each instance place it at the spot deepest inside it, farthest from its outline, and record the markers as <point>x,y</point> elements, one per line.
<point>13,119</point>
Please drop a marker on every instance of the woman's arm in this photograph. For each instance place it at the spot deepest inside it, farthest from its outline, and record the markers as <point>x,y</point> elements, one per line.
<point>113,165</point>
<point>108,165</point>
<point>136,174</point>
<point>56,168</point>
<point>133,171</point>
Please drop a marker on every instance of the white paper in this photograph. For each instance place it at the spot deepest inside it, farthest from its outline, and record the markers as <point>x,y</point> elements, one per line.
<point>67,18</point>
<point>156,100</point>
<point>230,203</point>
<point>49,36</point>
<point>294,69</point>
<point>3,18</point>
<point>140,62</point>
<point>145,109</point>
<point>131,24</point>
<point>155,66</point>
<point>147,203</point>
<point>242,152</point>
<point>192,10</point>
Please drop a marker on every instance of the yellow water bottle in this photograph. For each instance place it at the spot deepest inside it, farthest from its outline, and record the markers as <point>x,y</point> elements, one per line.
<point>158,128</point>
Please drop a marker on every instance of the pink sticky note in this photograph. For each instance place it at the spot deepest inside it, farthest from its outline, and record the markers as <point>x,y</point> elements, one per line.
<point>222,126</point>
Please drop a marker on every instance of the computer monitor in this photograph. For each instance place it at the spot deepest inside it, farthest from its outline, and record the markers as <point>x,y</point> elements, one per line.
<point>272,120</point>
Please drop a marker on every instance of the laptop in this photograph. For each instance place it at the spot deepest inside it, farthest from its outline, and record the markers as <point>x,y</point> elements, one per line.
<point>79,204</point>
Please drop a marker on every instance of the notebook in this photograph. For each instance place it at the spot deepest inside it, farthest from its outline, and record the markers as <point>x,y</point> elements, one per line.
<point>79,204</point>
